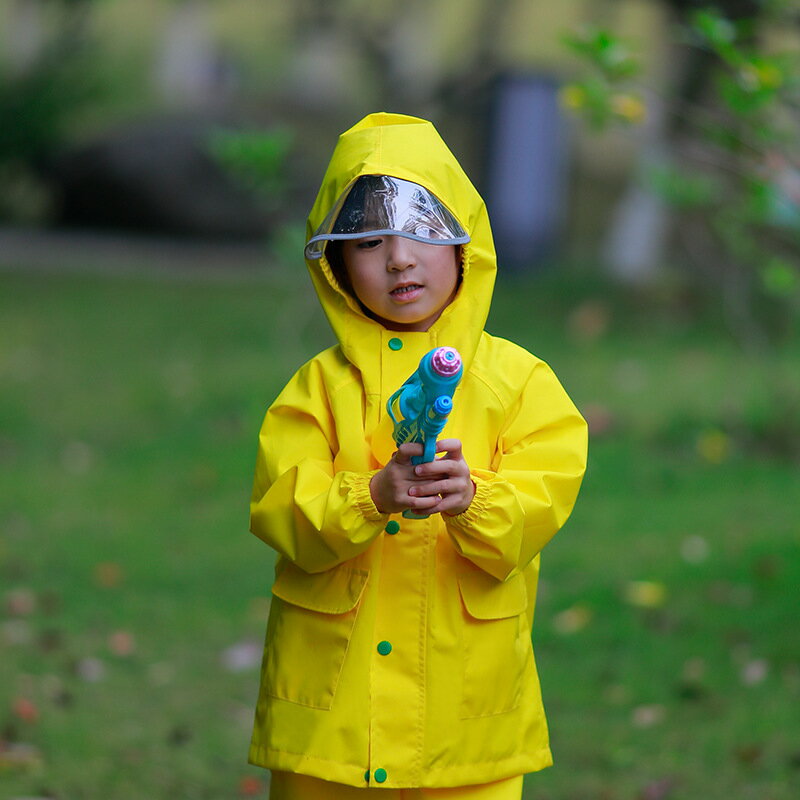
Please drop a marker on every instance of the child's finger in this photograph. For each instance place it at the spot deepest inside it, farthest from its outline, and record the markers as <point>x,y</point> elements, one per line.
<point>425,503</point>
<point>450,503</point>
<point>435,488</point>
<point>441,466</point>
<point>450,446</point>
<point>406,452</point>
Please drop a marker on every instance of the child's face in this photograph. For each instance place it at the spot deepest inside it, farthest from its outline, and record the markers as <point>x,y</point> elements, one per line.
<point>406,284</point>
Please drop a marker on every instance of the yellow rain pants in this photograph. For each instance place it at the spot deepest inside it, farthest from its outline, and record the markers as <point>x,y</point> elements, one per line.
<point>289,786</point>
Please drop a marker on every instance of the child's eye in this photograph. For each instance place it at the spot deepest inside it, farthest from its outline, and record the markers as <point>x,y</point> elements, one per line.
<point>368,244</point>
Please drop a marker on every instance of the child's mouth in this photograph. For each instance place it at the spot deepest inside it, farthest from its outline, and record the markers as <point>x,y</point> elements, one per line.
<point>408,292</point>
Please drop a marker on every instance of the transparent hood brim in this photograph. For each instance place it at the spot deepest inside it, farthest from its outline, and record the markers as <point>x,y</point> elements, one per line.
<point>316,245</point>
<point>381,205</point>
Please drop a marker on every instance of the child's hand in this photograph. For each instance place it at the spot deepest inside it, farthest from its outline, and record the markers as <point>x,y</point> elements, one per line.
<point>447,478</point>
<point>391,487</point>
<point>442,485</point>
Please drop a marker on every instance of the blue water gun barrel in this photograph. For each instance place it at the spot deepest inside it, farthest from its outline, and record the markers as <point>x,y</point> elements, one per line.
<point>420,408</point>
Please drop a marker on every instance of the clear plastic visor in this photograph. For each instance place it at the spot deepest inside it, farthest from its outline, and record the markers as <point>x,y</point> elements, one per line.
<point>379,205</point>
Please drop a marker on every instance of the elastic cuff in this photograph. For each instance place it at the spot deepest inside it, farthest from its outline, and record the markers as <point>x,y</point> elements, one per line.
<point>479,504</point>
<point>357,485</point>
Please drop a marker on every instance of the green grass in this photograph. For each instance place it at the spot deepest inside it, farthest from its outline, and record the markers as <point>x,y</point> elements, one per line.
<point>128,416</point>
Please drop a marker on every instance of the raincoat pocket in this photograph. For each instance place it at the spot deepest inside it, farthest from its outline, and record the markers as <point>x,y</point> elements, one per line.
<point>310,624</point>
<point>497,645</point>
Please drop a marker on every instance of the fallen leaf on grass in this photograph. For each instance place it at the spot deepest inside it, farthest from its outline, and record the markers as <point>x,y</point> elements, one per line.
<point>767,568</point>
<point>694,549</point>
<point>160,673</point>
<point>714,446</point>
<point>648,716</point>
<point>589,321</point>
<point>657,790</point>
<point>646,594</point>
<point>694,669</point>
<point>179,736</point>
<point>108,575</point>
<point>50,602</point>
<point>242,656</point>
<point>20,602</point>
<point>121,643</point>
<point>691,691</point>
<point>90,670</point>
<point>755,672</point>
<point>250,786</point>
<point>730,594</point>
<point>51,640</point>
<point>749,753</point>
<point>17,756</point>
<point>616,694</point>
<point>25,709</point>
<point>599,418</point>
<point>631,375</point>
<point>572,620</point>
<point>56,691</point>
<point>16,632</point>
<point>691,685</point>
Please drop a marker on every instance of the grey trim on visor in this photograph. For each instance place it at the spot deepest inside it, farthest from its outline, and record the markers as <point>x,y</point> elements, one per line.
<point>381,205</point>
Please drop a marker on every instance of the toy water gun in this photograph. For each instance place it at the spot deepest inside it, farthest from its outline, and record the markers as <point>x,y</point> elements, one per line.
<point>420,407</point>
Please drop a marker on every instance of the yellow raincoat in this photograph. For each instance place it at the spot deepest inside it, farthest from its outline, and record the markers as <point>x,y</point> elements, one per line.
<point>398,651</point>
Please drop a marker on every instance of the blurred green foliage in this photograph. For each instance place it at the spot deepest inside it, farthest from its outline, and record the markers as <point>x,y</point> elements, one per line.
<point>40,101</point>
<point>732,173</point>
<point>257,160</point>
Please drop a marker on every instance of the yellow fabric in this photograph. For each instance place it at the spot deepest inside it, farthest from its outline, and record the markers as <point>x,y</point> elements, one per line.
<point>288,786</point>
<point>457,700</point>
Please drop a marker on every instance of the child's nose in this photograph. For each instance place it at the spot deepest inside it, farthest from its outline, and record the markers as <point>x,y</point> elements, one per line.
<point>401,253</point>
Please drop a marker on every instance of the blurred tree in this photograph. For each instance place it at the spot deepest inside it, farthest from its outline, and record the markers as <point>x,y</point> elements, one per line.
<point>395,54</point>
<point>725,159</point>
<point>357,56</point>
<point>48,79</point>
<point>640,225</point>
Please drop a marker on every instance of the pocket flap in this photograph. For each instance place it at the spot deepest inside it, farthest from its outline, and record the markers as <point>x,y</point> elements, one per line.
<point>334,591</point>
<point>485,597</point>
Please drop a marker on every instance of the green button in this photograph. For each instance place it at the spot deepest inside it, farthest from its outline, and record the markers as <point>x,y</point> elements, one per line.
<point>395,344</point>
<point>366,776</point>
<point>380,775</point>
<point>392,527</point>
<point>384,648</point>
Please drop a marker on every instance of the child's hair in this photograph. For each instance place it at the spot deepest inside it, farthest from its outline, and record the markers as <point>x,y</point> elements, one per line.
<point>335,258</point>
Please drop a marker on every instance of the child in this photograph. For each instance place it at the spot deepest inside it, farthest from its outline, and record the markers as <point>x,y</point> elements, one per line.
<point>398,652</point>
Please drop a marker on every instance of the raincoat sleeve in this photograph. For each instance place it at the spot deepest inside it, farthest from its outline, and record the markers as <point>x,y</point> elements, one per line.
<point>301,506</point>
<point>541,461</point>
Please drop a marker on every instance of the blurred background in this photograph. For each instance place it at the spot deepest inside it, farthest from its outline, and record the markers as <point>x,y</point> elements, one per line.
<point>640,163</point>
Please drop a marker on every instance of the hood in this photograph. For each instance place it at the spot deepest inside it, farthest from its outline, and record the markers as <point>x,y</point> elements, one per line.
<point>409,148</point>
